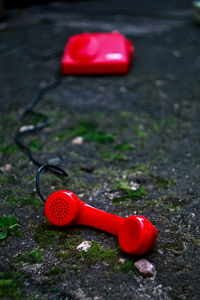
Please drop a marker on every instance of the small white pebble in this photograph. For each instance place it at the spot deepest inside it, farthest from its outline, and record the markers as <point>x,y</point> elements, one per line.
<point>26,127</point>
<point>84,246</point>
<point>77,140</point>
<point>145,267</point>
<point>123,89</point>
<point>177,53</point>
<point>159,82</point>
<point>7,167</point>
<point>122,260</point>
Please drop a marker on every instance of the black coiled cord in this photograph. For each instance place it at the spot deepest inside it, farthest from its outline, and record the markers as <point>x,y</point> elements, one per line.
<point>34,128</point>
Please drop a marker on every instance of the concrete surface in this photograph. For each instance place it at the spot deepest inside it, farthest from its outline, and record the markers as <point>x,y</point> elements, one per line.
<point>139,131</point>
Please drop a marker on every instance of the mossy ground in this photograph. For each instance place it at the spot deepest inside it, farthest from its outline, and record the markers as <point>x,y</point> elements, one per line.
<point>140,155</point>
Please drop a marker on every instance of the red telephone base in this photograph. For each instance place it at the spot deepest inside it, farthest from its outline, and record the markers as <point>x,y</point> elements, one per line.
<point>97,53</point>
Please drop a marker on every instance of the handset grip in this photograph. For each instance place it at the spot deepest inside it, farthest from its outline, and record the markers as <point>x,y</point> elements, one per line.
<point>97,218</point>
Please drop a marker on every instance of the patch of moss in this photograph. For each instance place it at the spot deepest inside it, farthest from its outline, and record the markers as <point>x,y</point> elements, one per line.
<point>35,144</point>
<point>129,193</point>
<point>160,126</point>
<point>138,129</point>
<point>127,266</point>
<point>172,207</point>
<point>124,147</point>
<point>10,286</point>
<point>7,224</point>
<point>110,256</point>
<point>56,271</point>
<point>163,182</point>
<point>97,253</point>
<point>9,150</point>
<point>112,155</point>
<point>31,257</point>
<point>123,185</point>
<point>7,179</point>
<point>151,202</point>
<point>131,196</point>
<point>100,137</point>
<point>196,242</point>
<point>8,120</point>
<point>54,180</point>
<point>31,199</point>
<point>139,169</point>
<point>46,235</point>
<point>88,130</point>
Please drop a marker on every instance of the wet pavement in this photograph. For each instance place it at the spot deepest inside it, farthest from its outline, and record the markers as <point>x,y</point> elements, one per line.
<point>140,132</point>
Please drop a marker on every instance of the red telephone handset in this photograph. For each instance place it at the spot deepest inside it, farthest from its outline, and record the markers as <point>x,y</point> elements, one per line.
<point>136,234</point>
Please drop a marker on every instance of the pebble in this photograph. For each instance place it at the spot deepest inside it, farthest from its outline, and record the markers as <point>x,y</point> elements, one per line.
<point>26,127</point>
<point>77,140</point>
<point>54,161</point>
<point>122,260</point>
<point>7,167</point>
<point>84,246</point>
<point>145,267</point>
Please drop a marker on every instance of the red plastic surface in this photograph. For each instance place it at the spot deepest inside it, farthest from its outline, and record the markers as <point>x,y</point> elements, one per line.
<point>136,234</point>
<point>97,53</point>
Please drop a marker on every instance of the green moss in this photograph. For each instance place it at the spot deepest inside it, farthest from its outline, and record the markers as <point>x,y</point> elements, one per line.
<point>131,196</point>
<point>138,129</point>
<point>172,207</point>
<point>8,120</point>
<point>7,224</point>
<point>101,137</point>
<point>31,257</point>
<point>126,267</point>
<point>56,271</point>
<point>9,150</point>
<point>34,118</point>
<point>57,181</point>
<point>151,202</point>
<point>139,169</point>
<point>110,256</point>
<point>10,286</point>
<point>112,155</point>
<point>7,179</point>
<point>31,199</point>
<point>88,130</point>
<point>160,126</point>
<point>35,144</point>
<point>124,147</point>
<point>163,182</point>
<point>123,185</point>
<point>47,234</point>
<point>97,253</point>
<point>129,193</point>
<point>196,242</point>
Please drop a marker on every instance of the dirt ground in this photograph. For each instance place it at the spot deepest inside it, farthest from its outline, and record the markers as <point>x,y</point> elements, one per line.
<point>139,152</point>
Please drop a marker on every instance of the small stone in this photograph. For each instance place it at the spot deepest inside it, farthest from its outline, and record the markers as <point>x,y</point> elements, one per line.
<point>123,89</point>
<point>145,267</point>
<point>122,260</point>
<point>54,161</point>
<point>84,246</point>
<point>177,53</point>
<point>7,167</point>
<point>77,140</point>
<point>159,82</point>
<point>105,264</point>
<point>26,127</point>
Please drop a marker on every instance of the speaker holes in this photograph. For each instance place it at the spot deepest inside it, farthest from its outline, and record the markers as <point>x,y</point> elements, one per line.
<point>59,208</point>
